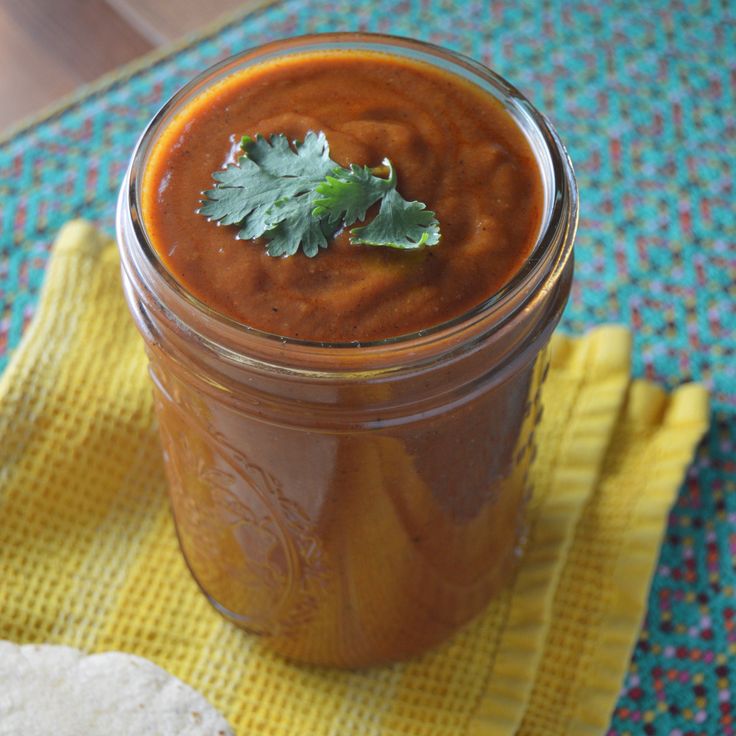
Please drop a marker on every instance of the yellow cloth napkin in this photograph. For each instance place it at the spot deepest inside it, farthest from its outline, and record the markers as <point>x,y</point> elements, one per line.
<point>88,555</point>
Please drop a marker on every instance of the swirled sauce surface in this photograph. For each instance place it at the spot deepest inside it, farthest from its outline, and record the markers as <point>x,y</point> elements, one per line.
<point>453,146</point>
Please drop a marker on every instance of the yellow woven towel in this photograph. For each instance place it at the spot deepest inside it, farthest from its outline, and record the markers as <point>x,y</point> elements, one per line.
<point>88,555</point>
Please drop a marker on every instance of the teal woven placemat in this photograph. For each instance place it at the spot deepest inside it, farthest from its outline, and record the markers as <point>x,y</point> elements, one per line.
<point>643,95</point>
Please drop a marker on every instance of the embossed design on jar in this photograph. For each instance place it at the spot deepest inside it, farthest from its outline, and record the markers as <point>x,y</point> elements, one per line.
<point>253,550</point>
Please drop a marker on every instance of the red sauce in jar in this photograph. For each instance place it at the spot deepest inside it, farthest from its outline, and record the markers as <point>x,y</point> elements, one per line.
<point>454,148</point>
<point>351,504</point>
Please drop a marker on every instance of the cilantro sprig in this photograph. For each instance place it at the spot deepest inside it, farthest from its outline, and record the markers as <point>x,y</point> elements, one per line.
<point>297,196</point>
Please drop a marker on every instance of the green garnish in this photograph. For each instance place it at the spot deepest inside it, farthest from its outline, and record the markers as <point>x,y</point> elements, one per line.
<point>297,196</point>
<point>399,224</point>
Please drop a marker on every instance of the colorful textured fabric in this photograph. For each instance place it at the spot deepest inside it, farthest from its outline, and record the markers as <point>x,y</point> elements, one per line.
<point>89,556</point>
<point>643,96</point>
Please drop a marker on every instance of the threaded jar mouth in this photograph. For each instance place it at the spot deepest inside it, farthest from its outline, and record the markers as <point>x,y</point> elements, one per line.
<point>239,342</point>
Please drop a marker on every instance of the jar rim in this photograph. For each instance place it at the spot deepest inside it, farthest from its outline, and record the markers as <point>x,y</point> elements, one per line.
<point>550,249</point>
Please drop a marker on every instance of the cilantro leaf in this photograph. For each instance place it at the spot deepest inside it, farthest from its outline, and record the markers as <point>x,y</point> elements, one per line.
<point>247,194</point>
<point>309,160</point>
<point>348,193</point>
<point>291,223</point>
<point>296,196</point>
<point>244,192</point>
<point>399,224</point>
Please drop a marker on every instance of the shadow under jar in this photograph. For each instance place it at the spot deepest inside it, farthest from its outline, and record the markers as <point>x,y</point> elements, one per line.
<point>352,503</point>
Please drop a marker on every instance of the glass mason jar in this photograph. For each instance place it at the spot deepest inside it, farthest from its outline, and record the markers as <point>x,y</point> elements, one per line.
<point>352,503</point>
